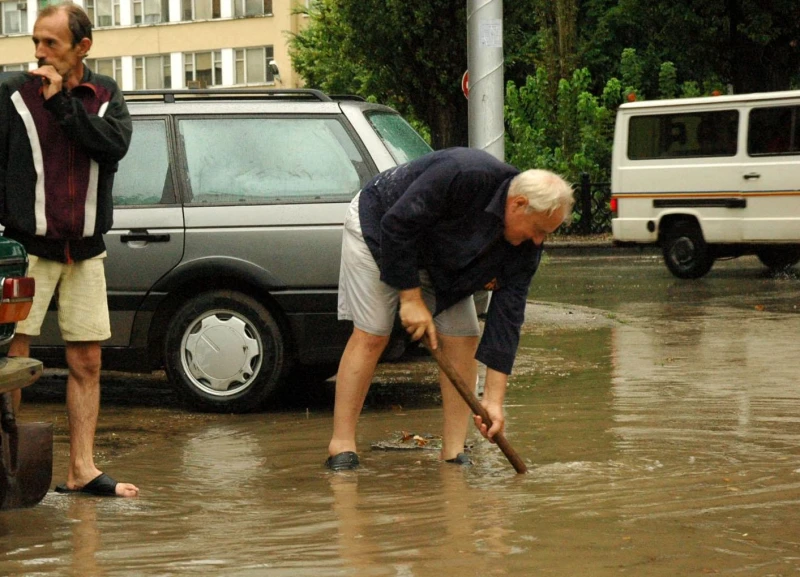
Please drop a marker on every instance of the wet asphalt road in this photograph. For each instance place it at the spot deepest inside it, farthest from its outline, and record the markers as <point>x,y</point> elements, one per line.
<point>659,419</point>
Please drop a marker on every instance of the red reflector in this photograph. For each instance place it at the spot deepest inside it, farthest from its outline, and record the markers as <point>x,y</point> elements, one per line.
<point>16,299</point>
<point>13,312</point>
<point>18,288</point>
<point>614,206</point>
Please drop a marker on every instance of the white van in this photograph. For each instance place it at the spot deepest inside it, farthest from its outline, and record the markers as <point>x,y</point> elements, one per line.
<point>707,178</point>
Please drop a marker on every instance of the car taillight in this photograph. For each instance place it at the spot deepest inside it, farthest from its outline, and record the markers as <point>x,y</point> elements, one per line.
<point>17,298</point>
<point>614,207</point>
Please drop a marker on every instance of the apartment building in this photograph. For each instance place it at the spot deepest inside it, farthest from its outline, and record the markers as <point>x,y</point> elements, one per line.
<point>152,44</point>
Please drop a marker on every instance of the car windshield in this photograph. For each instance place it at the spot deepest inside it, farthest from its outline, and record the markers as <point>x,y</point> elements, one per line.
<point>400,138</point>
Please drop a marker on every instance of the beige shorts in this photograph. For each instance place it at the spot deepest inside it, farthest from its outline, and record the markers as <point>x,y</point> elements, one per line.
<point>372,304</point>
<point>82,301</point>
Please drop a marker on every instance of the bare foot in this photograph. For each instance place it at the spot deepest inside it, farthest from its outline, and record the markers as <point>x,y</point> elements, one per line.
<point>126,490</point>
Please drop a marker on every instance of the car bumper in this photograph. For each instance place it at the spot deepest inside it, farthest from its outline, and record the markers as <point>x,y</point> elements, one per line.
<point>18,372</point>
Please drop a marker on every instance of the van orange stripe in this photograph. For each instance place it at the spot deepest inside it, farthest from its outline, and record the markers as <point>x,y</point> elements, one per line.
<point>705,194</point>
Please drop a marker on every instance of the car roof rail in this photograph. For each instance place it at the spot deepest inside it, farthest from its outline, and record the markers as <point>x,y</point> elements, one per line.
<point>170,96</point>
<point>347,97</point>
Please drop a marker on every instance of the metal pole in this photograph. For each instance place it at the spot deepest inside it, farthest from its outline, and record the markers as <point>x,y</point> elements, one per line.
<point>486,84</point>
<point>486,89</point>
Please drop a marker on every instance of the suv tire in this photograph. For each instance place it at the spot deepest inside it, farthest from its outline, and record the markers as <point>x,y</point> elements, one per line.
<point>686,253</point>
<point>224,352</point>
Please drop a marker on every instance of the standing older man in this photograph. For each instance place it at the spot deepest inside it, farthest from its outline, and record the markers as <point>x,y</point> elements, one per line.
<point>429,234</point>
<point>63,129</point>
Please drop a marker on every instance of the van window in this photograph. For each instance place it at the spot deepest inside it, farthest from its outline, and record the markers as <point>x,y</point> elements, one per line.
<point>257,160</point>
<point>695,134</point>
<point>774,130</point>
<point>144,176</point>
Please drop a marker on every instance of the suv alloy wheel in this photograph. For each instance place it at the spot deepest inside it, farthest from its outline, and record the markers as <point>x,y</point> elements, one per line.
<point>225,351</point>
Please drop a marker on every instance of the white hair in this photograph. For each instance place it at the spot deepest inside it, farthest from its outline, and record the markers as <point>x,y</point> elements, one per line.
<point>546,191</point>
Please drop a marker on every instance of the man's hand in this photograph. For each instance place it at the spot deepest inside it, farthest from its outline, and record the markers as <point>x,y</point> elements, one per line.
<point>498,418</point>
<point>494,395</point>
<point>415,316</point>
<point>52,81</point>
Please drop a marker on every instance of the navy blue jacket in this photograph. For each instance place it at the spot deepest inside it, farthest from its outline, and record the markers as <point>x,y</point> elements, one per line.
<point>444,212</point>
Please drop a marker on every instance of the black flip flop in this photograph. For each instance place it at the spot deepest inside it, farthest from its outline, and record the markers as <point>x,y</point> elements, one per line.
<point>100,486</point>
<point>346,461</point>
<point>460,459</point>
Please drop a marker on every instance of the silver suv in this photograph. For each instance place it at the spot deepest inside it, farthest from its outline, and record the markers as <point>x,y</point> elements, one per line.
<point>223,260</point>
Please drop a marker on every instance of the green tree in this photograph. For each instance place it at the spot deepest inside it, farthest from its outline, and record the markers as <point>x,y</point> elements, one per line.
<point>556,22</point>
<point>750,44</point>
<point>318,53</point>
<point>667,80</point>
<point>571,135</point>
<point>410,54</point>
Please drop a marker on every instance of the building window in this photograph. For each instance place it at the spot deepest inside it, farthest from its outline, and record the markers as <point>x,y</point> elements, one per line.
<point>14,68</point>
<point>150,11</point>
<point>200,9</point>
<point>14,17</point>
<point>152,72</point>
<point>107,67</point>
<point>203,69</point>
<point>103,13</point>
<point>243,8</point>
<point>251,65</point>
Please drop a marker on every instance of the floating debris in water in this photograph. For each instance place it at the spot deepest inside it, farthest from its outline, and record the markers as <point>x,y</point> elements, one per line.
<point>404,441</point>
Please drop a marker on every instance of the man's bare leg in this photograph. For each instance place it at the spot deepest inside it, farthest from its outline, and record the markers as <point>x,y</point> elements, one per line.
<point>461,353</point>
<point>83,408</point>
<point>353,379</point>
<point>20,347</point>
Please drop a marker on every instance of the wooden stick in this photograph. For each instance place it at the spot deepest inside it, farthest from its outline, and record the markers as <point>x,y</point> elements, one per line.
<point>476,407</point>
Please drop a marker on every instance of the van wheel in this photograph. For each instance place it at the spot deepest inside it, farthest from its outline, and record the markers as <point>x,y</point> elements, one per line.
<point>224,352</point>
<point>779,258</point>
<point>686,253</point>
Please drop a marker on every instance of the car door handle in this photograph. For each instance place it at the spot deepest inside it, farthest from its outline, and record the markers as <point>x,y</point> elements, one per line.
<point>143,235</point>
<point>751,175</point>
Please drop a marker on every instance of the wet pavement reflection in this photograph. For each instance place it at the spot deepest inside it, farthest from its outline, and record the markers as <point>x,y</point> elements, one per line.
<point>660,420</point>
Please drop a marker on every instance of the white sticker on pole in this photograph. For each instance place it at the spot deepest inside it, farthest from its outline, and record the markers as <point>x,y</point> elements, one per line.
<point>491,33</point>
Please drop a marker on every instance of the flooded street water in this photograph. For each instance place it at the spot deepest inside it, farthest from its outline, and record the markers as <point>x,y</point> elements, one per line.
<point>659,418</point>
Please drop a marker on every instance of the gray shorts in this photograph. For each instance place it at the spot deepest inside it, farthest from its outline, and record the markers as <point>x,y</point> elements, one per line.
<point>372,304</point>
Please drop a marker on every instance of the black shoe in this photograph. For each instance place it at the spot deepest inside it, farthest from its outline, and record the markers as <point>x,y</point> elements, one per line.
<point>346,461</point>
<point>460,459</point>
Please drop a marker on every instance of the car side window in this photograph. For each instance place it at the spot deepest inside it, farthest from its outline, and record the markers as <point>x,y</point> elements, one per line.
<point>264,160</point>
<point>403,142</point>
<point>144,176</point>
<point>695,134</point>
<point>774,130</point>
